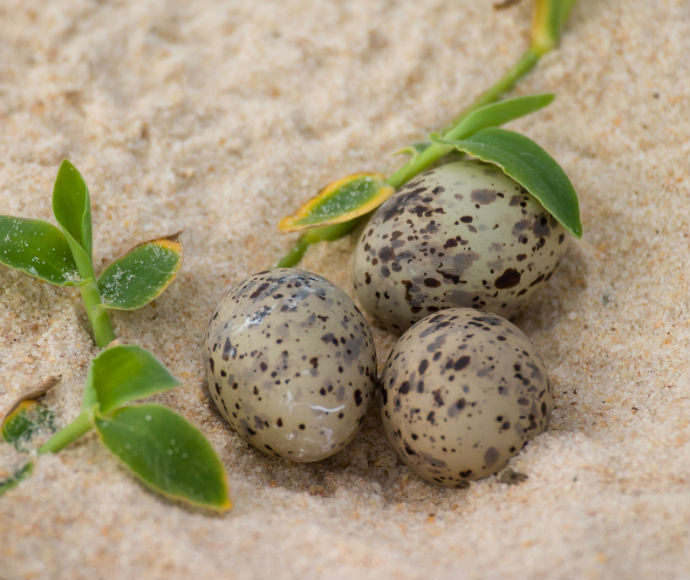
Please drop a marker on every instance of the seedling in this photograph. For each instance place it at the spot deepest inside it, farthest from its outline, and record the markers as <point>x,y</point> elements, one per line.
<point>158,446</point>
<point>63,257</point>
<point>341,206</point>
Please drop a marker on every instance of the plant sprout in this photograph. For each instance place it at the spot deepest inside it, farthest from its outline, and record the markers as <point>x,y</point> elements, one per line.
<point>63,257</point>
<point>158,446</point>
<point>336,211</point>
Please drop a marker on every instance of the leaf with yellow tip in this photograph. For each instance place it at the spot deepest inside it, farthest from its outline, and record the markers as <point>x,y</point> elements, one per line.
<point>340,201</point>
<point>547,24</point>
<point>142,274</point>
<point>28,418</point>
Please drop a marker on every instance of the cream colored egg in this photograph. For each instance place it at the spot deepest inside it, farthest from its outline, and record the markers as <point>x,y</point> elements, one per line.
<point>461,235</point>
<point>463,391</point>
<point>291,364</point>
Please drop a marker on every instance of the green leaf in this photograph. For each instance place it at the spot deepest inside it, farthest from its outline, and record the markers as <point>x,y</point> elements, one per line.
<point>37,248</point>
<point>340,201</point>
<point>122,374</point>
<point>27,418</point>
<point>142,274</point>
<point>469,122</point>
<point>25,421</point>
<point>529,165</point>
<point>167,453</point>
<point>72,205</point>
<point>22,473</point>
<point>72,209</point>
<point>499,113</point>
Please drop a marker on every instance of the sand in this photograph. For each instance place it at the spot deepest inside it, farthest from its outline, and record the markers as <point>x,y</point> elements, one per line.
<point>218,118</point>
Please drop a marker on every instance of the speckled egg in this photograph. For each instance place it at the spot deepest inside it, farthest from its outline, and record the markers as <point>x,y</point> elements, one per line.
<point>291,364</point>
<point>463,391</point>
<point>460,235</point>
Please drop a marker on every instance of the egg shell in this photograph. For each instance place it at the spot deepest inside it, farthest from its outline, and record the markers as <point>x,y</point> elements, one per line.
<point>291,364</point>
<point>460,235</point>
<point>463,391</point>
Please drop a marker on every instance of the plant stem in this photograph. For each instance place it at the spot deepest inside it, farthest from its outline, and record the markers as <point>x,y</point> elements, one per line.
<point>523,65</point>
<point>97,313</point>
<point>71,433</point>
<point>435,152</point>
<point>295,255</point>
<point>322,234</point>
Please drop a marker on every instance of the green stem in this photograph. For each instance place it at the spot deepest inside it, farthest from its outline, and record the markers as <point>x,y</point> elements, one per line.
<point>295,255</point>
<point>97,313</point>
<point>72,432</point>
<point>507,82</point>
<point>322,234</point>
<point>435,152</point>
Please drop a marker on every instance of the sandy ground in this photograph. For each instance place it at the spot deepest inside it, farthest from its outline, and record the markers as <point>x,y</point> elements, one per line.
<point>218,120</point>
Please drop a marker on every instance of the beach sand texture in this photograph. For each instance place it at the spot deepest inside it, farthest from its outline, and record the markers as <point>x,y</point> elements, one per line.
<point>219,118</point>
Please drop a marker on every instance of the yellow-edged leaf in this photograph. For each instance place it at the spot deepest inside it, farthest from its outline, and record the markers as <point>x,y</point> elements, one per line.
<point>28,418</point>
<point>340,201</point>
<point>142,274</point>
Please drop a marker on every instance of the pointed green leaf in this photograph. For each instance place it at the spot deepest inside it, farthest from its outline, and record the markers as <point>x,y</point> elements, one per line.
<point>72,209</point>
<point>72,205</point>
<point>499,113</point>
<point>37,248</point>
<point>167,453</point>
<point>141,275</point>
<point>7,483</point>
<point>529,165</point>
<point>340,201</point>
<point>122,374</point>
<point>468,123</point>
